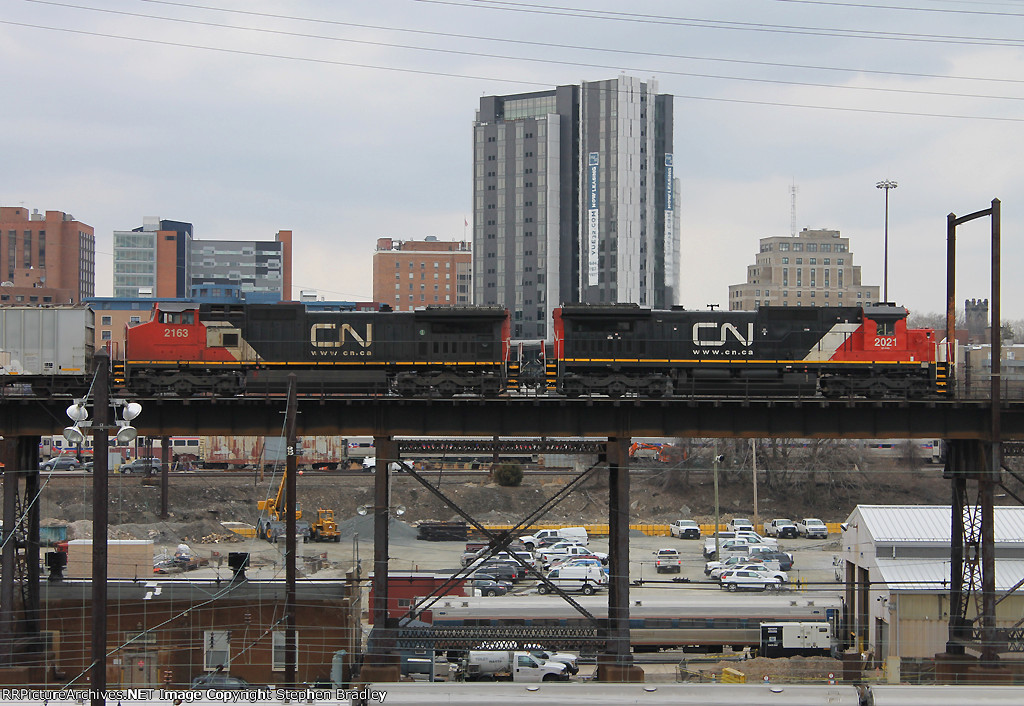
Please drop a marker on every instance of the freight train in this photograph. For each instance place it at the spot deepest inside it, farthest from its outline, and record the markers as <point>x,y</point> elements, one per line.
<point>611,350</point>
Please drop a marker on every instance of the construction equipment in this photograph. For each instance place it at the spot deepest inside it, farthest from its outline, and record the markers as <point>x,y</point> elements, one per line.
<point>270,525</point>
<point>656,452</point>
<point>325,529</point>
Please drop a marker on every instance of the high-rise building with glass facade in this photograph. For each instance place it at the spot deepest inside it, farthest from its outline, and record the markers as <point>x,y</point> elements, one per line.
<point>152,261</point>
<point>161,259</point>
<point>573,200</point>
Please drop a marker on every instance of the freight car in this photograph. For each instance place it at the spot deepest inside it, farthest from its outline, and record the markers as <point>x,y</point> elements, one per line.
<point>695,622</point>
<point>835,351</point>
<point>49,349</point>
<point>186,349</point>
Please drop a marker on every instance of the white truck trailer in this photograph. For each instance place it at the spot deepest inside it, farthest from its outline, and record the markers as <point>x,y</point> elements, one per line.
<point>509,665</point>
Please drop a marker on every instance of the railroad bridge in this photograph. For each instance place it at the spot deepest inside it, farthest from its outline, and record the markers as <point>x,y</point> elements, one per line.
<point>561,425</point>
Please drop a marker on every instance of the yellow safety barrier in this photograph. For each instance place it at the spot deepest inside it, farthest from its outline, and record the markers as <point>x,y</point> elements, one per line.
<point>733,676</point>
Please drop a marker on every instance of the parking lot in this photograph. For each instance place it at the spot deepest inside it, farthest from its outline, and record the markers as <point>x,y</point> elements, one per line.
<point>813,568</point>
<point>812,560</point>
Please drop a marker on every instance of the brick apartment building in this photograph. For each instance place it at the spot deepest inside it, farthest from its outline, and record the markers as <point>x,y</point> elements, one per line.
<point>411,274</point>
<point>45,258</point>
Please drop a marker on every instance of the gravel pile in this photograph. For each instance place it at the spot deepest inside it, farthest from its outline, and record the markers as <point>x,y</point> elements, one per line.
<point>363,526</point>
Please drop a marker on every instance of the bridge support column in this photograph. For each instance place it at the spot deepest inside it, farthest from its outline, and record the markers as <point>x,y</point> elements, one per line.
<point>165,465</point>
<point>616,664</point>
<point>380,663</point>
<point>972,565</point>
<point>19,576</point>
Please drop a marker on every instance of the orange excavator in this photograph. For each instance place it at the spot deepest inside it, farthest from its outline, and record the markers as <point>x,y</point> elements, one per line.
<point>654,452</point>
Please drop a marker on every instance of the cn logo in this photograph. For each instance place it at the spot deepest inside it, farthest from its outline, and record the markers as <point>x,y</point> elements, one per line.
<point>711,334</point>
<point>333,336</point>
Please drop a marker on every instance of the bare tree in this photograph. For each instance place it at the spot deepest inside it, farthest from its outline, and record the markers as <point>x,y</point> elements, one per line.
<point>935,320</point>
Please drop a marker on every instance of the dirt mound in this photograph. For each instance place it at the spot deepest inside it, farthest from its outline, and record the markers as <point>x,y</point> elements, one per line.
<point>198,504</point>
<point>802,670</point>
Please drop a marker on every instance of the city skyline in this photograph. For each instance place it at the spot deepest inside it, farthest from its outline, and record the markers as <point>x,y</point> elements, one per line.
<point>244,128</point>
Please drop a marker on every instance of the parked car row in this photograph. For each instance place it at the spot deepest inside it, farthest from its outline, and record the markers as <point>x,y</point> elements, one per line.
<point>779,528</point>
<point>563,554</point>
<point>66,462</point>
<point>739,558</point>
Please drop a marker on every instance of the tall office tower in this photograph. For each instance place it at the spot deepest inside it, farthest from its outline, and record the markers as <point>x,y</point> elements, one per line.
<point>814,268</point>
<point>247,268</point>
<point>45,259</point>
<point>152,261</point>
<point>573,200</point>
<point>409,274</point>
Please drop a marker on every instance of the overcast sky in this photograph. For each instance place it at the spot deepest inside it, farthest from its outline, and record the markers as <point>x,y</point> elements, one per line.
<point>347,121</point>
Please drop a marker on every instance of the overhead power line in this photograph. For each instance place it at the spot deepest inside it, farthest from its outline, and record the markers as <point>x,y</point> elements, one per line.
<point>902,8</point>
<point>669,20</point>
<point>490,79</point>
<point>562,45</point>
<point>591,65</point>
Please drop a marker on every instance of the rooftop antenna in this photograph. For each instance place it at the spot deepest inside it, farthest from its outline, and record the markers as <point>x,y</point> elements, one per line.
<point>793,189</point>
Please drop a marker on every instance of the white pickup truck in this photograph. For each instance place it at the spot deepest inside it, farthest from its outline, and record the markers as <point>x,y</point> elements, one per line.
<point>812,528</point>
<point>667,560</point>
<point>684,529</point>
<point>780,528</point>
<point>739,524</point>
<point>579,534</point>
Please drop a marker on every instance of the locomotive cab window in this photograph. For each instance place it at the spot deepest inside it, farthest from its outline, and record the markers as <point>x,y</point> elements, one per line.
<point>885,328</point>
<point>177,317</point>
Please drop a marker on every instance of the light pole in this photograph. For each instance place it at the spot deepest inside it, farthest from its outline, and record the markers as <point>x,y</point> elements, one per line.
<point>886,184</point>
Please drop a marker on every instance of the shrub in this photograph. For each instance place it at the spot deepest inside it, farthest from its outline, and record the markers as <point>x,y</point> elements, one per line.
<point>508,474</point>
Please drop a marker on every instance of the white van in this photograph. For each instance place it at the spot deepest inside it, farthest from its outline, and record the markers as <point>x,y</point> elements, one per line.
<point>588,579</point>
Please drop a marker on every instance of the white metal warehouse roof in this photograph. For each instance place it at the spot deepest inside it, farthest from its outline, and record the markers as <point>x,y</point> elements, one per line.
<point>931,523</point>
<point>926,575</point>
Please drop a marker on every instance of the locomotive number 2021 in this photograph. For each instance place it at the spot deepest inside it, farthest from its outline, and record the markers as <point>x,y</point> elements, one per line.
<point>885,341</point>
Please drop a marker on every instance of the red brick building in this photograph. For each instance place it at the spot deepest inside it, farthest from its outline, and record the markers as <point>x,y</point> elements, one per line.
<point>45,259</point>
<point>412,274</point>
<point>168,632</point>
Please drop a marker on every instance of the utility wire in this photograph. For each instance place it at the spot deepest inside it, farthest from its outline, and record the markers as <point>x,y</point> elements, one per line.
<point>901,8</point>
<point>506,57</point>
<point>668,20</point>
<point>446,74</point>
<point>577,47</point>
